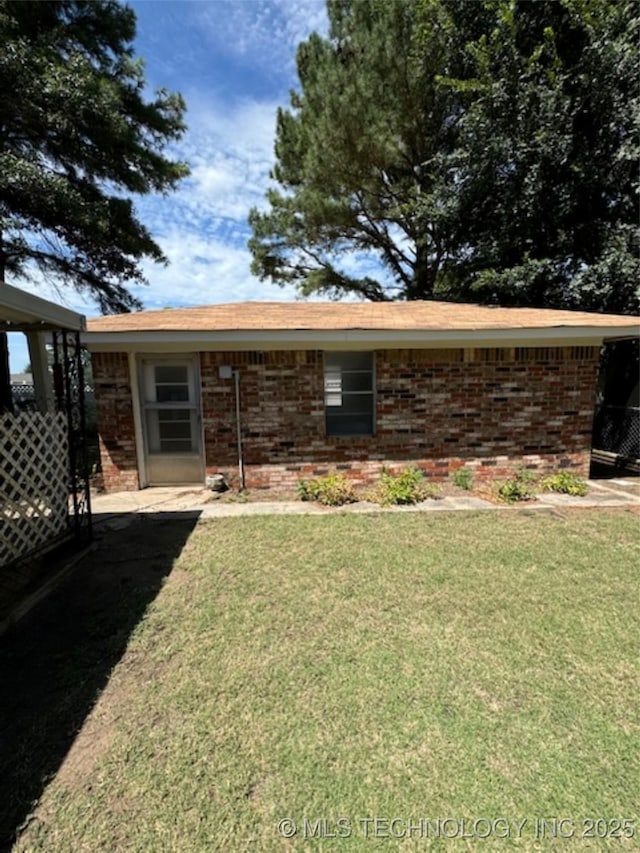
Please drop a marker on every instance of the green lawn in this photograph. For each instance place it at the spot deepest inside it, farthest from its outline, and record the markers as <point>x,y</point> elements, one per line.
<point>418,666</point>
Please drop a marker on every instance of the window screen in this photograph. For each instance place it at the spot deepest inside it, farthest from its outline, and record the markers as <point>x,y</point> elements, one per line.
<point>348,393</point>
<point>169,401</point>
<point>172,383</point>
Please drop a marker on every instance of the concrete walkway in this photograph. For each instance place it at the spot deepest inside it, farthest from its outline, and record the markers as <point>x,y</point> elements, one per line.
<point>185,499</point>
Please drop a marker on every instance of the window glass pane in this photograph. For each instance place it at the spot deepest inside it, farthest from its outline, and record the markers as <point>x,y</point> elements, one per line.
<point>170,430</point>
<point>172,393</point>
<point>174,373</point>
<point>348,386</point>
<point>175,430</point>
<point>356,381</point>
<point>349,360</point>
<point>332,387</point>
<point>356,404</point>
<point>351,424</point>
<point>165,415</point>
<point>332,380</point>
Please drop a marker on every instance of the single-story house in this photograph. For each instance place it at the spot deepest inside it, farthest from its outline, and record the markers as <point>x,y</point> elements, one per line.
<point>272,392</point>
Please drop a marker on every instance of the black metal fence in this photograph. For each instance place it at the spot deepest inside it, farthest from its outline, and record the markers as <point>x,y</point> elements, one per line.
<point>616,430</point>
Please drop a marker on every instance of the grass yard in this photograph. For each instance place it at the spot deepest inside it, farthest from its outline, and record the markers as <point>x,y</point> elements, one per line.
<point>418,666</point>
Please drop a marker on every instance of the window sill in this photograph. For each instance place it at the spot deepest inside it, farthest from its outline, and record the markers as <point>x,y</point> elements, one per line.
<point>358,437</point>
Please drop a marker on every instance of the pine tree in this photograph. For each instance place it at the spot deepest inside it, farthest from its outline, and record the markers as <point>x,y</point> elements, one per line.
<point>78,139</point>
<point>482,151</point>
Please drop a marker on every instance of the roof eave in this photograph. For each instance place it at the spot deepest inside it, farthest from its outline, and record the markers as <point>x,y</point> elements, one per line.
<point>23,312</point>
<point>158,340</point>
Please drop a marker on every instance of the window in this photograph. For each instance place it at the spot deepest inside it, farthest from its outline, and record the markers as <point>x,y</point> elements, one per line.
<point>348,393</point>
<point>170,407</point>
<point>172,383</point>
<point>170,430</point>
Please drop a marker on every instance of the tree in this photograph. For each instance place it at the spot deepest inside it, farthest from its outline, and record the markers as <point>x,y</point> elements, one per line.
<point>548,147</point>
<point>478,150</point>
<point>78,137</point>
<point>359,156</point>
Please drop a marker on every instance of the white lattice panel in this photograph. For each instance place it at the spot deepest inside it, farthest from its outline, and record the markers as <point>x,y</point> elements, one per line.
<point>34,471</point>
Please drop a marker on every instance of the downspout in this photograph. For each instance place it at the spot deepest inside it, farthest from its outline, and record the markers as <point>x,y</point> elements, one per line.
<point>236,377</point>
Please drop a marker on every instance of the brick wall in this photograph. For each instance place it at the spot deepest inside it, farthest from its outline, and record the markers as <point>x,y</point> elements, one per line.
<point>114,412</point>
<point>490,409</point>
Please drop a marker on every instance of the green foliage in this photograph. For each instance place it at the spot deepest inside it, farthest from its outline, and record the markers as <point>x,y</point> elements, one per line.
<point>463,478</point>
<point>358,156</point>
<point>566,483</point>
<point>406,487</point>
<point>241,497</point>
<point>521,487</point>
<point>332,490</point>
<point>484,151</point>
<point>78,138</point>
<point>549,150</point>
<point>307,490</point>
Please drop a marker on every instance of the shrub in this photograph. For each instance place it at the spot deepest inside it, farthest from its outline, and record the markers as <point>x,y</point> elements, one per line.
<point>463,478</point>
<point>406,487</point>
<point>332,490</point>
<point>520,488</point>
<point>566,483</point>
<point>307,490</point>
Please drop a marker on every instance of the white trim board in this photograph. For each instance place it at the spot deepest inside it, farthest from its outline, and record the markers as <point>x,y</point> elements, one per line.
<point>21,310</point>
<point>301,339</point>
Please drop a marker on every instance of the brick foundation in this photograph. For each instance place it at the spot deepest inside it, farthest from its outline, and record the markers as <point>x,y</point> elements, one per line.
<point>490,409</point>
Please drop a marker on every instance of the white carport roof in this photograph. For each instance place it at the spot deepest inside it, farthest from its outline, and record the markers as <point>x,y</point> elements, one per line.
<point>23,312</point>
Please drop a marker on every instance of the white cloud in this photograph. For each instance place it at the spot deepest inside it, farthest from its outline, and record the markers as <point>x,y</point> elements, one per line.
<point>230,150</point>
<point>204,270</point>
<point>262,33</point>
<point>202,227</point>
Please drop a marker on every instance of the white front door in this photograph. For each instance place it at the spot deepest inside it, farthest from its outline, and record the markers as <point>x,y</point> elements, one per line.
<point>171,419</point>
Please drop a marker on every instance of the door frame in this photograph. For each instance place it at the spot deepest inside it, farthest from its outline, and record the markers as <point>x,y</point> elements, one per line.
<point>138,362</point>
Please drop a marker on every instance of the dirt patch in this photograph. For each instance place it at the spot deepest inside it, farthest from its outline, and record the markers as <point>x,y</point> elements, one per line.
<point>486,491</point>
<point>100,727</point>
<point>252,496</point>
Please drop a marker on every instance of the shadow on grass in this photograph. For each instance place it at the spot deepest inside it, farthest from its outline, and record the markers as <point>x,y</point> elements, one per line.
<point>55,663</point>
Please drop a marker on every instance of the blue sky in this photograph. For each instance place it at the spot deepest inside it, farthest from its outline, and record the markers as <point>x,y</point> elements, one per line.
<point>234,63</point>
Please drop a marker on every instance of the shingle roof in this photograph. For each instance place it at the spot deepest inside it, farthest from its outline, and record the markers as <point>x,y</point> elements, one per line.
<point>325,316</point>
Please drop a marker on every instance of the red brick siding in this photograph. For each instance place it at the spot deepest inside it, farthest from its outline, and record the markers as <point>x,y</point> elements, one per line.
<point>490,409</point>
<point>114,411</point>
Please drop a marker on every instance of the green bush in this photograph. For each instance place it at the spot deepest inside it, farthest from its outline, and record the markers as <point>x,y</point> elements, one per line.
<point>463,478</point>
<point>307,490</point>
<point>332,490</point>
<point>406,487</point>
<point>520,488</point>
<point>566,483</point>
